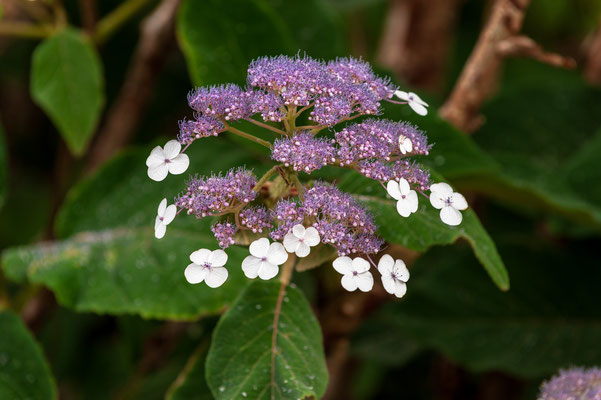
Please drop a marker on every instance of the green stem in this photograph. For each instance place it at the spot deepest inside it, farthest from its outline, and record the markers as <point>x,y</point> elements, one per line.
<point>248,136</point>
<point>299,186</point>
<point>116,18</point>
<point>25,30</point>
<point>266,126</point>
<point>265,178</point>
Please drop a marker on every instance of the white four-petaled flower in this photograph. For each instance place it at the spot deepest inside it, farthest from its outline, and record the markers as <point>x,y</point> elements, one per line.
<point>165,214</point>
<point>417,104</point>
<point>394,275</point>
<point>161,161</point>
<point>264,260</point>
<point>355,273</point>
<point>406,198</point>
<point>207,266</point>
<point>405,144</point>
<point>300,240</point>
<point>448,202</point>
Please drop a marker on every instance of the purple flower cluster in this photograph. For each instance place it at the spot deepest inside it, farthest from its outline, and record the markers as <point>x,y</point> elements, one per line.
<point>217,194</point>
<point>225,102</point>
<point>224,233</point>
<point>304,152</point>
<point>384,172</point>
<point>287,213</point>
<point>341,221</point>
<point>202,126</point>
<point>255,218</point>
<point>572,384</point>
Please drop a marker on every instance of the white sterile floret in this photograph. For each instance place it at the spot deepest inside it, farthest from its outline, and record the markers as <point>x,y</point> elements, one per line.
<point>207,266</point>
<point>417,104</point>
<point>165,214</point>
<point>406,198</point>
<point>355,273</point>
<point>300,240</point>
<point>394,275</point>
<point>161,161</point>
<point>448,202</point>
<point>405,144</point>
<point>264,260</point>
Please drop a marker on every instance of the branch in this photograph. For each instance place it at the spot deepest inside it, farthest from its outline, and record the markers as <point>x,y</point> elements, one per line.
<point>127,110</point>
<point>499,38</point>
<point>116,18</point>
<point>25,30</point>
<point>592,70</point>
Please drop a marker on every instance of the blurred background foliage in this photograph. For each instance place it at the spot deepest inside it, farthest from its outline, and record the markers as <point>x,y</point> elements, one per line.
<point>92,307</point>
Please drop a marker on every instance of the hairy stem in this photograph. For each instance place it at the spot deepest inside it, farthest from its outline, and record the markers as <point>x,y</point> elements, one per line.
<point>266,126</point>
<point>248,136</point>
<point>299,186</point>
<point>25,30</point>
<point>266,177</point>
<point>116,18</point>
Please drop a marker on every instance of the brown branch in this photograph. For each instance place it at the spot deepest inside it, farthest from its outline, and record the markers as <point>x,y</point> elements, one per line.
<point>416,40</point>
<point>126,112</point>
<point>524,46</point>
<point>592,70</point>
<point>88,12</point>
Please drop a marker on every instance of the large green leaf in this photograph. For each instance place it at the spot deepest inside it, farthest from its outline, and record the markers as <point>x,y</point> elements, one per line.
<point>219,42</point>
<point>24,373</point>
<point>549,319</point>
<point>110,262</point>
<point>267,346</point>
<point>424,229</point>
<point>67,82</point>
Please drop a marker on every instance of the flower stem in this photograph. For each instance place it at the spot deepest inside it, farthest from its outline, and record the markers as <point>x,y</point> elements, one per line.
<point>248,136</point>
<point>266,126</point>
<point>287,270</point>
<point>116,18</point>
<point>265,177</point>
<point>299,186</point>
<point>25,30</point>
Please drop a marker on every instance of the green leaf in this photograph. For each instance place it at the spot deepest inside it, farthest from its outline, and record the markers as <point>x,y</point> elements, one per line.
<point>262,351</point>
<point>219,42</point>
<point>24,373</point>
<point>550,318</point>
<point>110,261</point>
<point>3,168</point>
<point>424,228</point>
<point>67,83</point>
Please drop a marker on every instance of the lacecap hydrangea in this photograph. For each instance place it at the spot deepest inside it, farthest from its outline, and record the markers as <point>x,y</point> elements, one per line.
<point>280,217</point>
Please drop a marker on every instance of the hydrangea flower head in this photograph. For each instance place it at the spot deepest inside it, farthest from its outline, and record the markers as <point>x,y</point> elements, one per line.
<point>573,384</point>
<point>287,204</point>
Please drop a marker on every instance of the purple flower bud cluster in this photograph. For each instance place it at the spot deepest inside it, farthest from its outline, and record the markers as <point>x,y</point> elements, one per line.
<point>225,102</point>
<point>201,126</point>
<point>341,221</point>
<point>304,152</point>
<point>268,104</point>
<point>377,139</point>
<point>255,218</point>
<point>384,172</point>
<point>287,213</point>
<point>572,384</point>
<point>224,233</point>
<point>216,194</point>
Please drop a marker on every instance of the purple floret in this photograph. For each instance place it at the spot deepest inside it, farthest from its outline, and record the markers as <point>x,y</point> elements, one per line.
<point>255,218</point>
<point>571,384</point>
<point>225,102</point>
<point>224,233</point>
<point>304,152</point>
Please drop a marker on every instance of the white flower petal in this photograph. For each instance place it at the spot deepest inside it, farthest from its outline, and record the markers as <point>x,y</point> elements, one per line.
<point>437,200</point>
<point>450,216</point>
<point>389,283</point>
<point>302,250</point>
<point>343,265</point>
<point>402,95</point>
<point>412,198</point>
<point>157,222</point>
<point>405,145</point>
<point>416,99</point>
<point>360,265</point>
<point>158,172</point>
<point>250,266</point>
<point>259,247</point>
<point>200,257</point>
<point>162,208</point>
<point>404,207</point>
<point>156,157</point>
<point>400,270</point>
<point>312,236</point>
<point>442,188</point>
<point>159,230</point>
<point>385,264</point>
<point>277,254</point>
<point>393,189</point>
<point>172,149</point>
<point>216,276</point>
<point>217,258</point>
<point>458,201</point>
<point>195,273</point>
<point>291,242</point>
<point>404,186</point>
<point>400,289</point>
<point>169,215</point>
<point>365,281</point>
<point>349,283</point>
<point>267,270</point>
<point>299,231</point>
<point>418,108</point>
<point>179,164</point>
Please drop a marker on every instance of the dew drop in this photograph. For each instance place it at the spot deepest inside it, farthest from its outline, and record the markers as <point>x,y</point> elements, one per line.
<point>258,306</point>
<point>222,388</point>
